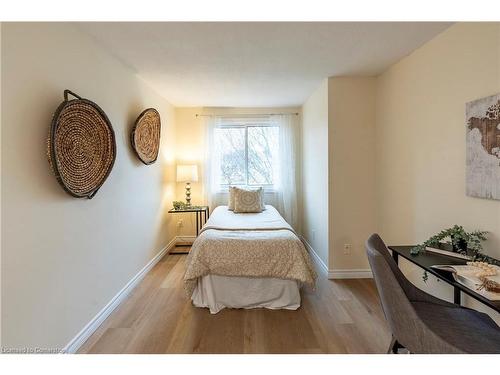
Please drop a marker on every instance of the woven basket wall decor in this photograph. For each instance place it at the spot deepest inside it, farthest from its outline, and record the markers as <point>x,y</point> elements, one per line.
<point>145,136</point>
<point>81,146</point>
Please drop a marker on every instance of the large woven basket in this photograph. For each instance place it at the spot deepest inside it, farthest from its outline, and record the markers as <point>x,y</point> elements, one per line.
<point>145,137</point>
<point>81,146</point>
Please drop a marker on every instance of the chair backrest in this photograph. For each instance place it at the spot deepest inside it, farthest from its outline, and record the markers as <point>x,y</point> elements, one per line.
<point>376,243</point>
<point>395,293</point>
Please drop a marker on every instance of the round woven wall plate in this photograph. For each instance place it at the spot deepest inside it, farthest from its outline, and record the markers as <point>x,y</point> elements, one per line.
<point>81,146</point>
<point>145,136</point>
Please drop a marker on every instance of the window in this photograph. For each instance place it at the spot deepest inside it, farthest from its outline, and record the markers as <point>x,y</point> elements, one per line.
<point>248,153</point>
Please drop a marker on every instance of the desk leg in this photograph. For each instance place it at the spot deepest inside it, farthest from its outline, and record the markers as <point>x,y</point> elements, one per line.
<point>456,296</point>
<point>395,256</point>
<point>394,346</point>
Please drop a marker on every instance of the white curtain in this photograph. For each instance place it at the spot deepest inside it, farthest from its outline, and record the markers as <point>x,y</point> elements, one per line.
<point>288,170</point>
<point>213,195</point>
<point>284,194</point>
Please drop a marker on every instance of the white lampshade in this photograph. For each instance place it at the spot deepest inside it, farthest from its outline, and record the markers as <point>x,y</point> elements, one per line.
<point>187,173</point>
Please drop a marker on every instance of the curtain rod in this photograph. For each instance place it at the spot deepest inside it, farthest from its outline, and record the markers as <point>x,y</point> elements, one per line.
<point>247,115</point>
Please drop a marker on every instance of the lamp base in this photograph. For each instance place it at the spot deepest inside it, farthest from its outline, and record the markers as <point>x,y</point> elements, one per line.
<point>188,194</point>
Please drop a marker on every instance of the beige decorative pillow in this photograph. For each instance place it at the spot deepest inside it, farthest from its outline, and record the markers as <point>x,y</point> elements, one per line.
<point>230,203</point>
<point>248,200</point>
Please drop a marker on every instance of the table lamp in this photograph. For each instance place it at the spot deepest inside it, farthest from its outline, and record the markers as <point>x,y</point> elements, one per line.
<point>187,174</point>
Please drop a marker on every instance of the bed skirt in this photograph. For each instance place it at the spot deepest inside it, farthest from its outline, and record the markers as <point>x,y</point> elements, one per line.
<point>219,292</point>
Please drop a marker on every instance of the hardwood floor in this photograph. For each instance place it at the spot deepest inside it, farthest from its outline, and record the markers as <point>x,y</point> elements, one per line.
<point>341,316</point>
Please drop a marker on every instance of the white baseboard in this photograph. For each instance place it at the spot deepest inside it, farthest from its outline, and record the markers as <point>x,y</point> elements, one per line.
<point>189,239</point>
<point>350,274</point>
<point>322,264</point>
<point>91,327</point>
<point>338,274</point>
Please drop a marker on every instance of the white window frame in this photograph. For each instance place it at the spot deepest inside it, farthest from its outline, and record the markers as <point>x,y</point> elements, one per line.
<point>247,123</point>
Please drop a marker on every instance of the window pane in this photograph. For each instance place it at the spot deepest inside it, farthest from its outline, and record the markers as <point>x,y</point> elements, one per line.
<point>231,143</point>
<point>263,143</point>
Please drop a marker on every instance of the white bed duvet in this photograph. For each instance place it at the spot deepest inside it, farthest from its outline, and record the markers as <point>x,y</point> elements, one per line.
<point>247,261</point>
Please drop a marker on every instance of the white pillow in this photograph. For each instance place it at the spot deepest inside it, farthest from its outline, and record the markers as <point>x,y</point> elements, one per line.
<point>230,203</point>
<point>248,200</point>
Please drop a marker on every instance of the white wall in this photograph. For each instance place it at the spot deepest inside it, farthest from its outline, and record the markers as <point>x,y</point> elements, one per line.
<point>63,258</point>
<point>420,138</point>
<point>314,206</point>
<point>421,135</point>
<point>351,117</point>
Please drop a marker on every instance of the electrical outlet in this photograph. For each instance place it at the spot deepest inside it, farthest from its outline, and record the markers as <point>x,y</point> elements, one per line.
<point>347,248</point>
<point>313,235</point>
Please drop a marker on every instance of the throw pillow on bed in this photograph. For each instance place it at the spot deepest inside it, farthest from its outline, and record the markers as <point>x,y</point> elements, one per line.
<point>230,204</point>
<point>248,200</point>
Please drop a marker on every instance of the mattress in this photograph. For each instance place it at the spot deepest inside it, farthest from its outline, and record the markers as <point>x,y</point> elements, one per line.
<point>219,292</point>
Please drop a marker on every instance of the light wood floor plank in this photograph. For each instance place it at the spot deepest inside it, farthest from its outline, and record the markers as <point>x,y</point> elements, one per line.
<point>339,316</point>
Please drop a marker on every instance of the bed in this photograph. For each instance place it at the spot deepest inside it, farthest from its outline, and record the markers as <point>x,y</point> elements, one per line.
<point>248,260</point>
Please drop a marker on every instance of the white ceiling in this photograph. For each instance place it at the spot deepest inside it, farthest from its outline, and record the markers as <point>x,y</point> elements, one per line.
<point>255,64</point>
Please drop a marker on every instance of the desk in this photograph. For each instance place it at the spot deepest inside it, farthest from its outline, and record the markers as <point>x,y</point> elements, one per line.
<point>428,259</point>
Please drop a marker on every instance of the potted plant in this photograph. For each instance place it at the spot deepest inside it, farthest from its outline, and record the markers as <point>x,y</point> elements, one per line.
<point>179,205</point>
<point>460,241</point>
<point>467,243</point>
